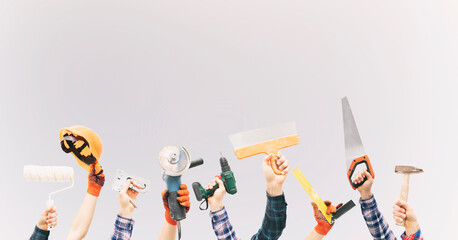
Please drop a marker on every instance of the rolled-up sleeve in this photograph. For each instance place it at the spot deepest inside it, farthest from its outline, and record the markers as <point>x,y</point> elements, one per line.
<point>123,228</point>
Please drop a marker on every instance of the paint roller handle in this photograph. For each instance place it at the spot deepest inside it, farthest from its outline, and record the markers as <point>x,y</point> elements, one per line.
<point>49,204</point>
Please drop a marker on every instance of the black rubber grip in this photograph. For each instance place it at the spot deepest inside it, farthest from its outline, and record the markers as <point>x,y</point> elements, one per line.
<point>177,212</point>
<point>212,191</point>
<point>342,210</point>
<point>353,171</point>
<point>196,187</point>
<point>196,163</point>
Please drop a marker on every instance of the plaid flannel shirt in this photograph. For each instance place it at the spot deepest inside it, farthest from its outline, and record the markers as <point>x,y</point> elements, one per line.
<point>39,234</point>
<point>123,228</point>
<point>222,226</point>
<point>378,227</point>
<point>272,225</point>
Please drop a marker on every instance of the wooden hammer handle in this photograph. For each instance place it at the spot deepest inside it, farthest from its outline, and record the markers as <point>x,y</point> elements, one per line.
<point>404,193</point>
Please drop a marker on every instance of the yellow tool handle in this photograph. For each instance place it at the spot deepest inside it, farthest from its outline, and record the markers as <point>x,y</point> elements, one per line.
<point>312,193</point>
<point>274,165</point>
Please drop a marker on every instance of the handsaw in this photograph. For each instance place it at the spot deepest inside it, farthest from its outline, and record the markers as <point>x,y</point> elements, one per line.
<point>265,140</point>
<point>354,150</point>
<point>318,201</point>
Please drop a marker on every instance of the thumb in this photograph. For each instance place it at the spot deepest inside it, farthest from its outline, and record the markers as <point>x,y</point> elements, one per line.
<point>221,188</point>
<point>52,209</point>
<point>268,158</point>
<point>368,175</point>
<point>220,183</point>
<point>46,212</point>
<point>126,186</point>
<point>315,207</point>
<point>402,204</point>
<point>164,195</point>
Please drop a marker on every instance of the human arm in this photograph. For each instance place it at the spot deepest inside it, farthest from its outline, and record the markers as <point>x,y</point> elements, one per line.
<point>82,220</point>
<point>169,228</point>
<point>314,236</point>
<point>47,218</point>
<point>275,214</point>
<point>124,223</point>
<point>376,223</point>
<point>403,211</point>
<point>218,214</point>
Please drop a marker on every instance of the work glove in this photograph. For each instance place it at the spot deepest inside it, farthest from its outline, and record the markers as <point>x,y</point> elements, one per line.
<point>95,182</point>
<point>183,199</point>
<point>323,226</point>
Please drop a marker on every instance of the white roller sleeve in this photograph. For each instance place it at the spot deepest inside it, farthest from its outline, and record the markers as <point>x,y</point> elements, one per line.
<point>48,173</point>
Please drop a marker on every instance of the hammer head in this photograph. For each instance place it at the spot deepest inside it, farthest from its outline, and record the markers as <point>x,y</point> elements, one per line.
<point>407,169</point>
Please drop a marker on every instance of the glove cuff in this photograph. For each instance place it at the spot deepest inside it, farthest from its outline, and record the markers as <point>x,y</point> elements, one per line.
<point>169,219</point>
<point>94,188</point>
<point>322,230</point>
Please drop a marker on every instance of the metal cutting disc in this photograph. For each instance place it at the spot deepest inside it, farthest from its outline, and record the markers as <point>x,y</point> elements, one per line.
<point>174,160</point>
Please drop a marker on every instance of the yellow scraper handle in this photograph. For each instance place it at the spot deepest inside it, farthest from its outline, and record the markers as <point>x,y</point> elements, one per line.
<point>312,193</point>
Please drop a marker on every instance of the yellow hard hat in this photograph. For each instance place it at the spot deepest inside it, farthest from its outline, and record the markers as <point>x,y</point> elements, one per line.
<point>84,144</point>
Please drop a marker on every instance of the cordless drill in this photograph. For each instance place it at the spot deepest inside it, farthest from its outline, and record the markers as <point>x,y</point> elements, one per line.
<point>227,176</point>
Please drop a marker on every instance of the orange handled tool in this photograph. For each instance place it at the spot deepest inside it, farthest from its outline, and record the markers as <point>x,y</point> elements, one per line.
<point>354,150</point>
<point>265,140</point>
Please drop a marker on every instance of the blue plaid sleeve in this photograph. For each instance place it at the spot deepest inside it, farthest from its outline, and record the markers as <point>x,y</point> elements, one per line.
<point>222,226</point>
<point>39,234</point>
<point>375,221</point>
<point>415,236</point>
<point>274,219</point>
<point>123,228</point>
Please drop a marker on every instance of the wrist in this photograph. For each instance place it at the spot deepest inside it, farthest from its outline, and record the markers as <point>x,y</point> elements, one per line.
<point>94,189</point>
<point>411,227</point>
<point>274,190</point>
<point>322,230</point>
<point>366,195</point>
<point>125,213</point>
<point>214,207</point>
<point>316,235</point>
<point>43,227</point>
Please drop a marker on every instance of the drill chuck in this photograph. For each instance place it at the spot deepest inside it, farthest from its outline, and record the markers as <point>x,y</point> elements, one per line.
<point>224,164</point>
<point>227,176</point>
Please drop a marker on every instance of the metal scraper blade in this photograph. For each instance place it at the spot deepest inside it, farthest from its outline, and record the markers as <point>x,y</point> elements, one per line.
<point>255,136</point>
<point>353,145</point>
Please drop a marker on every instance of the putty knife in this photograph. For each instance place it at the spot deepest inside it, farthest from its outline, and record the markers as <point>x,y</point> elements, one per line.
<point>265,140</point>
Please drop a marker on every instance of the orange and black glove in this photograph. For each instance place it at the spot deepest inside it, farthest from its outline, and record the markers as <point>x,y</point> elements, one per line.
<point>183,199</point>
<point>95,182</point>
<point>323,226</point>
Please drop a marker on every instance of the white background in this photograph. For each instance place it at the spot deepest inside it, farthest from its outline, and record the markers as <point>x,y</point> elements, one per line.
<point>145,74</point>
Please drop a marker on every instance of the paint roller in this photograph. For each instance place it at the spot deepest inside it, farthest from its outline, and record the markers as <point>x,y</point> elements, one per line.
<point>49,174</point>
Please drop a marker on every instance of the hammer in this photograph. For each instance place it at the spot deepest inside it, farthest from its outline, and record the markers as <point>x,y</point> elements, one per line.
<point>406,170</point>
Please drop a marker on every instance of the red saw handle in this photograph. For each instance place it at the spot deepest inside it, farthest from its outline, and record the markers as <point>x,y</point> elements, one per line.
<point>357,161</point>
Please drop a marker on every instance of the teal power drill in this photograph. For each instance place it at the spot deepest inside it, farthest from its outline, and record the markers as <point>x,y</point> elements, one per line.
<point>227,176</point>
